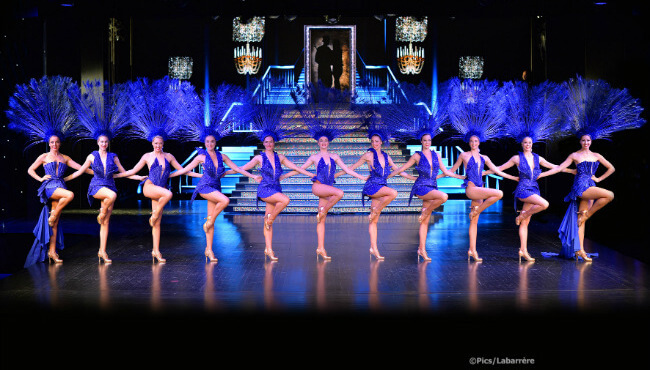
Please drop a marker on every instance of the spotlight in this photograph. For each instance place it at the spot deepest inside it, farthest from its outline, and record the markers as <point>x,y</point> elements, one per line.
<point>332,19</point>
<point>290,18</point>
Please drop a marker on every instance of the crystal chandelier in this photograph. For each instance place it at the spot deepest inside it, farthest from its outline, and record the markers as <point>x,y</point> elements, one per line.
<point>470,67</point>
<point>410,60</point>
<point>248,59</point>
<point>180,67</point>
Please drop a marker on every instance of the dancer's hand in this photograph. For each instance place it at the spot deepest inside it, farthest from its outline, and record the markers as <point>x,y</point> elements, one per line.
<point>596,179</point>
<point>257,178</point>
<point>46,177</point>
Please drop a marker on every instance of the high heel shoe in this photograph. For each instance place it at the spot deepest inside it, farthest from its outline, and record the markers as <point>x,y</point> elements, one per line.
<point>372,214</point>
<point>582,254</point>
<point>153,218</point>
<point>582,217</point>
<point>52,256</point>
<point>157,256</point>
<point>424,256</point>
<point>319,215</point>
<point>210,256</point>
<point>526,256</point>
<point>270,255</point>
<point>208,224</point>
<point>103,256</point>
<point>52,219</point>
<point>520,217</point>
<point>323,254</point>
<point>473,255</point>
<point>101,216</point>
<point>422,215</point>
<point>268,222</point>
<point>473,212</point>
<point>376,255</point>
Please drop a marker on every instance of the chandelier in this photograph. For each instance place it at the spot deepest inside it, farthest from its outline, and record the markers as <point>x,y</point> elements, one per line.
<point>470,67</point>
<point>410,60</point>
<point>248,59</point>
<point>180,67</point>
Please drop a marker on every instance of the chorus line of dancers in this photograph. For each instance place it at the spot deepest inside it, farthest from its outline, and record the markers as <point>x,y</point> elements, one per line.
<point>185,120</point>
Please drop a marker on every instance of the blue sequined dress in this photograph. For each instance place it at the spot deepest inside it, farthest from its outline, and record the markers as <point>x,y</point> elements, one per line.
<point>42,231</point>
<point>325,173</point>
<point>270,183</point>
<point>427,173</point>
<point>157,175</point>
<point>211,179</point>
<point>474,172</point>
<point>378,176</point>
<point>100,178</point>
<point>569,227</point>
<point>527,185</point>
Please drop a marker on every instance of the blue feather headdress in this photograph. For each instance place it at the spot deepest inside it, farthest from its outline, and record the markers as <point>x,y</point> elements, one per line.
<point>41,109</point>
<point>475,109</point>
<point>377,127</point>
<point>534,112</point>
<point>102,110</point>
<point>412,119</point>
<point>267,121</point>
<point>596,109</point>
<point>326,111</point>
<point>154,108</point>
<point>223,111</point>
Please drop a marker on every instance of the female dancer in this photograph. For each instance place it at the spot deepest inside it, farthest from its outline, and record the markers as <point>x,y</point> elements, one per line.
<point>527,191</point>
<point>209,187</point>
<point>481,197</point>
<point>376,187</point>
<point>102,114</point>
<point>154,119</point>
<point>104,165</point>
<point>155,188</point>
<point>327,194</point>
<point>534,116</point>
<point>595,111</point>
<point>267,120</point>
<point>41,111</point>
<point>428,163</point>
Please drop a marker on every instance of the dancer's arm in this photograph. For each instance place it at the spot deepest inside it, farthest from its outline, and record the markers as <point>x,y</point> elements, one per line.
<point>252,163</point>
<point>179,169</point>
<point>32,169</point>
<point>235,168</point>
<point>445,171</point>
<point>513,161</point>
<point>406,165</point>
<point>138,166</point>
<point>607,164</point>
<point>304,166</point>
<point>570,159</point>
<point>361,161</point>
<point>543,162</point>
<point>289,164</point>
<point>81,169</point>
<point>74,165</point>
<point>347,169</point>
<point>121,169</point>
<point>494,168</point>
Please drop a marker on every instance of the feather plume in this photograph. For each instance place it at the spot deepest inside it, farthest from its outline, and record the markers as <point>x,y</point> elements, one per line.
<point>325,112</point>
<point>476,109</point>
<point>596,109</point>
<point>41,108</point>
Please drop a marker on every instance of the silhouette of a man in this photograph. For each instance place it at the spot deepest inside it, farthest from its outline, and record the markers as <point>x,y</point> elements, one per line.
<point>324,59</point>
<point>337,63</point>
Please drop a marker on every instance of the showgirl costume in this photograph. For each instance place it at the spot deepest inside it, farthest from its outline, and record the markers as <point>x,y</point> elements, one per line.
<point>324,172</point>
<point>527,185</point>
<point>378,176</point>
<point>101,111</point>
<point>427,173</point>
<point>474,172</point>
<point>211,179</point>
<point>270,183</point>
<point>41,109</point>
<point>598,110</point>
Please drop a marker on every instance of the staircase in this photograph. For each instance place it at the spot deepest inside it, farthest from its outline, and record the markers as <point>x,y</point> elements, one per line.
<point>350,148</point>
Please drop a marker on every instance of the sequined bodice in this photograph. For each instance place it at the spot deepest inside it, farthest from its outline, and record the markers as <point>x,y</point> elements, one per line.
<point>425,169</point>
<point>157,174</point>
<point>267,172</point>
<point>209,169</point>
<point>55,169</point>
<point>525,172</point>
<point>325,173</point>
<point>377,171</point>
<point>98,166</point>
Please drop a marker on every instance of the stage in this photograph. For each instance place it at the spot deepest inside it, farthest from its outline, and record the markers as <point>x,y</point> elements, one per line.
<point>469,304</point>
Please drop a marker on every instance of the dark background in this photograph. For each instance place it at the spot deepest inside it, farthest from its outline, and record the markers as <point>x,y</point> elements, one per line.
<point>608,42</point>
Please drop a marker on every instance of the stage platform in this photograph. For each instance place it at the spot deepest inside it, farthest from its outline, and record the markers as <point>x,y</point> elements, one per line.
<point>399,300</point>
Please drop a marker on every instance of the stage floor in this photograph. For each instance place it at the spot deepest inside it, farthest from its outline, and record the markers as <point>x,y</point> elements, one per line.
<point>448,291</point>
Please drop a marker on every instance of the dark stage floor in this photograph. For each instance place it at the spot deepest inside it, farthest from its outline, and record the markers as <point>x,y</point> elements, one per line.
<point>535,310</point>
